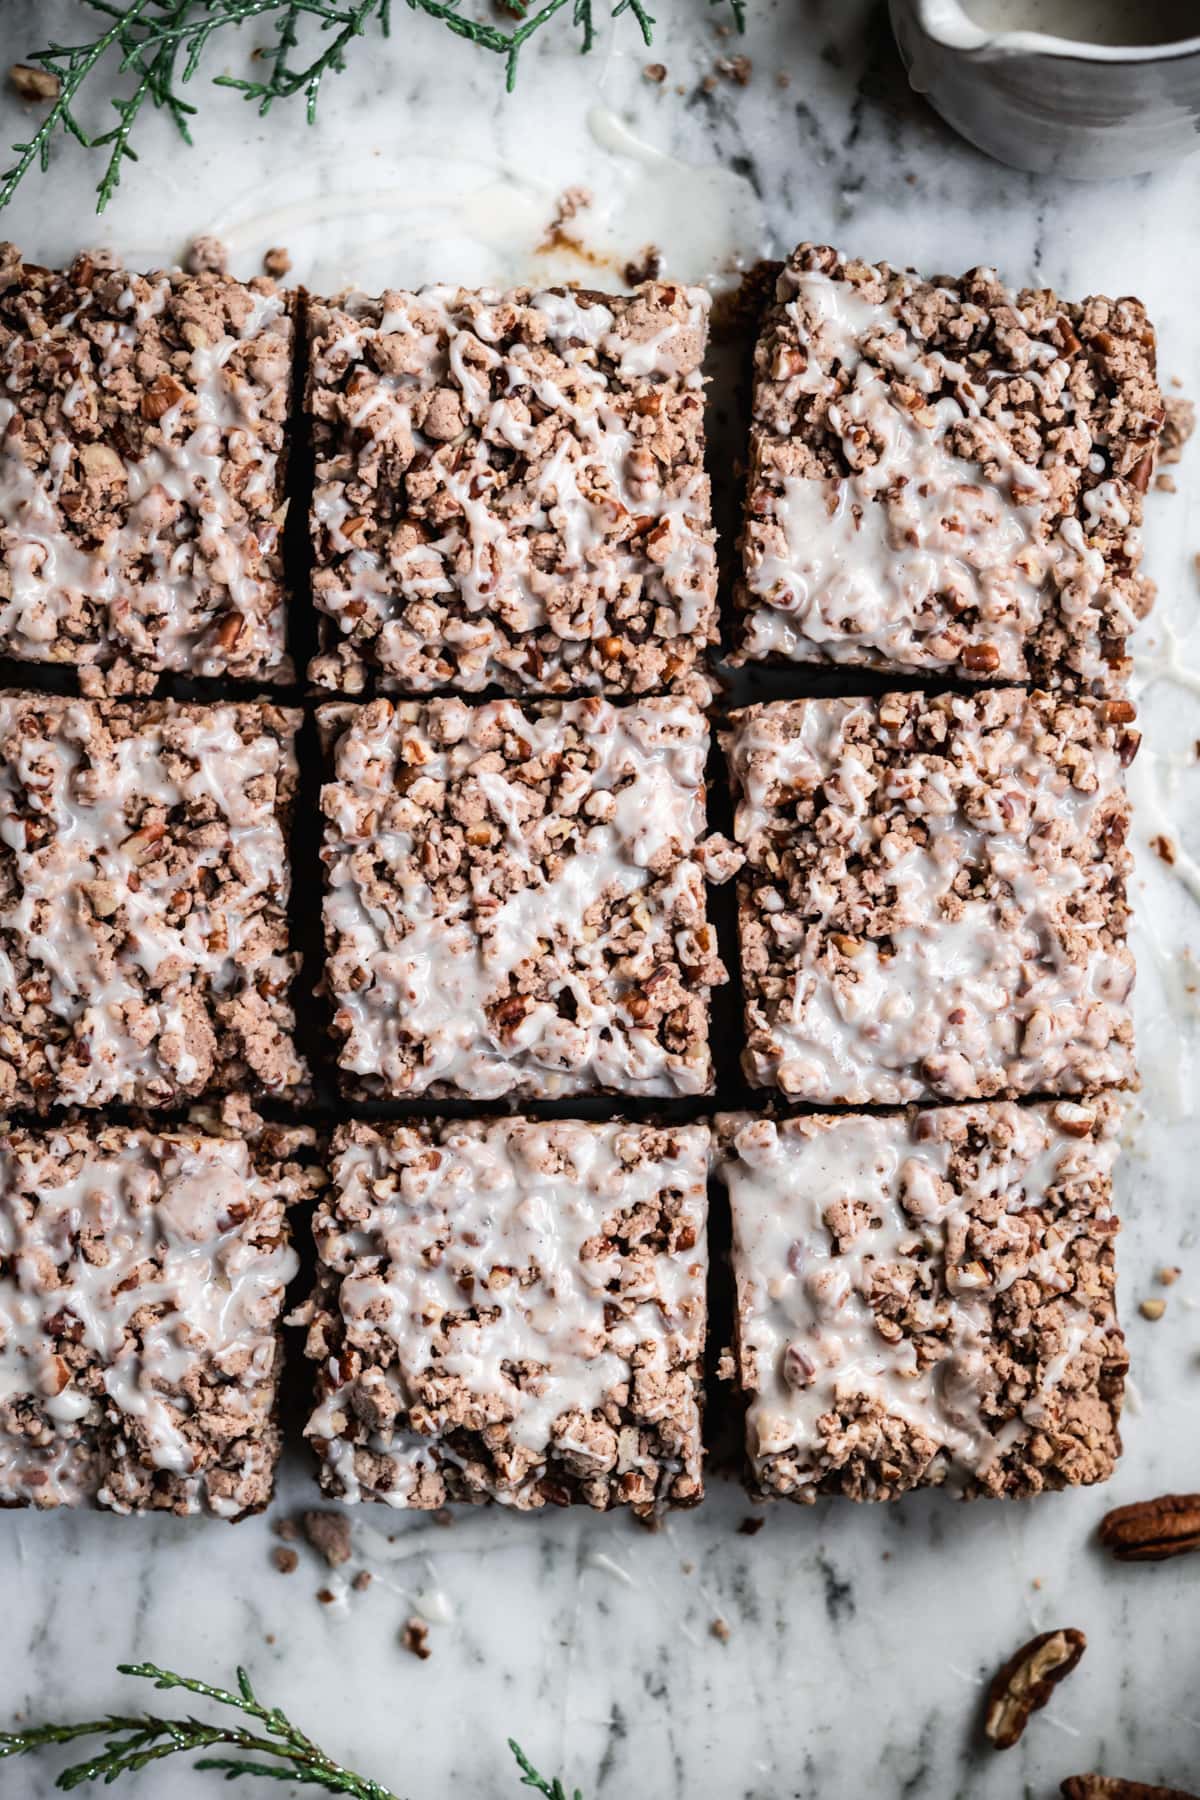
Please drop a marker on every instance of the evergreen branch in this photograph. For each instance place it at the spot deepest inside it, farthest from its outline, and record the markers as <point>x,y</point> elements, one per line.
<point>136,1741</point>
<point>72,69</point>
<point>551,1790</point>
<point>146,39</point>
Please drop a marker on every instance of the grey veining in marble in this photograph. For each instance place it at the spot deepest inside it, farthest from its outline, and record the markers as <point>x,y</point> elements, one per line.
<point>859,1640</point>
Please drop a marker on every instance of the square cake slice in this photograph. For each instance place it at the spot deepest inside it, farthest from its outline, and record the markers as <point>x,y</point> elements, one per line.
<point>933,904</point>
<point>510,491</point>
<point>514,901</point>
<point>143,894</point>
<point>927,1298</point>
<point>511,1310</point>
<point>142,1279</point>
<point>142,450</point>
<point>946,477</point>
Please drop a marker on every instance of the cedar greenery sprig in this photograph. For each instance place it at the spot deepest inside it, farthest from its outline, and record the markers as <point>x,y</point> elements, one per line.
<point>156,47</point>
<point>550,1790</point>
<point>135,1741</point>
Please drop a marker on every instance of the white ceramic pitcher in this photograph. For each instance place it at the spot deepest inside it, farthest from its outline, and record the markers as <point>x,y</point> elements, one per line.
<point>1050,104</point>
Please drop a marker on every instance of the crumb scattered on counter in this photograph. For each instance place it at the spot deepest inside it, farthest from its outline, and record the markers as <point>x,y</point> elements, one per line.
<point>750,1527</point>
<point>277,261</point>
<point>329,1533</point>
<point>326,1596</point>
<point>1153,1309</point>
<point>34,84</point>
<point>655,72</point>
<point>362,1581</point>
<point>415,1637</point>
<point>1178,426</point>
<point>1166,484</point>
<point>720,1630</point>
<point>1169,1276</point>
<point>735,68</point>
<point>285,1560</point>
<point>206,255</point>
<point>1163,848</point>
<point>287,1529</point>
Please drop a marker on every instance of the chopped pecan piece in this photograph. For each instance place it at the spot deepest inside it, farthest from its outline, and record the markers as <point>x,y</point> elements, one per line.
<point>981,659</point>
<point>1026,1682</point>
<point>1152,1530</point>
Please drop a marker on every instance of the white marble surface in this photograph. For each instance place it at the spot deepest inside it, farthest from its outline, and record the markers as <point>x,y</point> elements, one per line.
<point>859,1639</point>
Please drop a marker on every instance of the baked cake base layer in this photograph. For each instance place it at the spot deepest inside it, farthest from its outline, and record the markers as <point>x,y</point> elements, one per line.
<point>927,1298</point>
<point>144,882</point>
<point>143,450</point>
<point>934,898</point>
<point>510,491</point>
<point>142,1279</point>
<point>511,1311</point>
<point>515,900</point>
<point>946,477</point>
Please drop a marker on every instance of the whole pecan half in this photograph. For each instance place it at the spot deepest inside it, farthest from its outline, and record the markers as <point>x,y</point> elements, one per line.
<point>1111,1787</point>
<point>1151,1530</point>
<point>1026,1682</point>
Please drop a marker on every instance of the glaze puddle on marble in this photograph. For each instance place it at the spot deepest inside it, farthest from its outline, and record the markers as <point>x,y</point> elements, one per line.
<point>456,218</point>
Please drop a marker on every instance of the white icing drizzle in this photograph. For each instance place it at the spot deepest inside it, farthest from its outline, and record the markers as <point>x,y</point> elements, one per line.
<point>460,1258</point>
<point>811,1350</point>
<point>876,566</point>
<point>186,540</point>
<point>147,1245</point>
<point>433,966</point>
<point>980,993</point>
<point>90,898</point>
